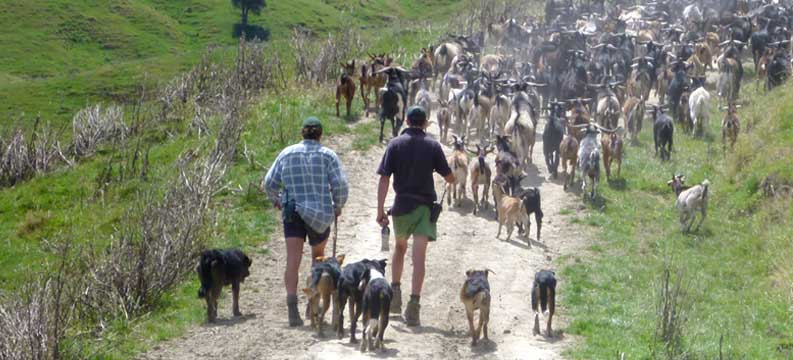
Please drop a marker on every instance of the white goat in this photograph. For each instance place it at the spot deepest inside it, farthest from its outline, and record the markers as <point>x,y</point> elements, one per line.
<point>698,110</point>
<point>689,201</point>
<point>424,100</point>
<point>521,128</point>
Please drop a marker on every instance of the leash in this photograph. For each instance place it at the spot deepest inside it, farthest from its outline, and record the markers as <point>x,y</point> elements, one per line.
<point>335,234</point>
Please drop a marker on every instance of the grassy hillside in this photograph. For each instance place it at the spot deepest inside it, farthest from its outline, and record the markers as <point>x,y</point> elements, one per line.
<point>735,271</point>
<point>58,56</point>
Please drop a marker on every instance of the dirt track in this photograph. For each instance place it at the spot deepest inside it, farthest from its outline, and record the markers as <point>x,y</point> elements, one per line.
<point>465,241</point>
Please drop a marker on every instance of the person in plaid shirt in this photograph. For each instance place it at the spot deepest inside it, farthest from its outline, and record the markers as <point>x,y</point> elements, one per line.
<point>307,183</point>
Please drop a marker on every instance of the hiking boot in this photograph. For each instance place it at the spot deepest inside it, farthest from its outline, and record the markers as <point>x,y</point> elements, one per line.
<point>396,301</point>
<point>412,311</point>
<point>294,315</point>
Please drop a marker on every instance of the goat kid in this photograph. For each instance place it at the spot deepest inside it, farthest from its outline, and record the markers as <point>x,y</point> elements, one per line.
<point>510,209</point>
<point>612,151</point>
<point>480,174</point>
<point>568,151</point>
<point>459,164</point>
<point>444,119</point>
<point>730,127</point>
<point>690,201</point>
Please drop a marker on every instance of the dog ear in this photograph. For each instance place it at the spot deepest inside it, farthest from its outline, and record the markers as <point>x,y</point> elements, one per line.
<point>340,259</point>
<point>307,291</point>
<point>247,261</point>
<point>489,271</point>
<point>469,272</point>
<point>383,263</point>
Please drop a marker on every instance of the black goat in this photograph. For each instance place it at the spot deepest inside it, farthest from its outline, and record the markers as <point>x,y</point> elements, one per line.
<point>778,68</point>
<point>506,159</point>
<point>532,203</point>
<point>663,132</point>
<point>551,139</point>
<point>392,96</point>
<point>679,83</point>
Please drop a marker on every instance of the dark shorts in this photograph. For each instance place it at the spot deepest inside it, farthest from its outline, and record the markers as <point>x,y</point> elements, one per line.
<point>298,228</point>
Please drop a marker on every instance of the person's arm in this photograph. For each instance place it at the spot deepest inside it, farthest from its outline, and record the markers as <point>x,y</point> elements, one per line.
<point>385,170</point>
<point>382,192</point>
<point>339,187</point>
<point>442,166</point>
<point>273,184</point>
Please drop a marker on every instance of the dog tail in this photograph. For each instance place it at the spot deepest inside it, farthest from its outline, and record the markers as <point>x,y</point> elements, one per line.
<point>204,270</point>
<point>482,298</point>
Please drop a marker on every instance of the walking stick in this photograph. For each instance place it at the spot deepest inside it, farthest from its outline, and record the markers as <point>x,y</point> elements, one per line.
<point>335,234</point>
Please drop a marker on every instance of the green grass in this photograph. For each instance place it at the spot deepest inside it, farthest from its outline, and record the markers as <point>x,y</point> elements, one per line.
<point>736,266</point>
<point>57,56</point>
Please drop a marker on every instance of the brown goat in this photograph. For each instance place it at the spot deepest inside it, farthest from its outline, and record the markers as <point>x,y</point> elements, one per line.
<point>346,86</point>
<point>730,127</point>
<point>372,80</point>
<point>425,64</point>
<point>444,119</point>
<point>510,210</point>
<point>458,161</point>
<point>633,110</point>
<point>762,69</point>
<point>611,145</point>
<point>480,175</point>
<point>568,153</point>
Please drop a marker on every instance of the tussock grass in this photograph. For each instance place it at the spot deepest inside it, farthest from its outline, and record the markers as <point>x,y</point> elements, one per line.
<point>737,267</point>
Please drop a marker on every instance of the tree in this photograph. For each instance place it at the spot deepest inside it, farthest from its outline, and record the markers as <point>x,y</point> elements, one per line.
<point>247,6</point>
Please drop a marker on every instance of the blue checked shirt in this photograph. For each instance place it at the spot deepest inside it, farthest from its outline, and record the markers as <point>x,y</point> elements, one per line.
<point>311,175</point>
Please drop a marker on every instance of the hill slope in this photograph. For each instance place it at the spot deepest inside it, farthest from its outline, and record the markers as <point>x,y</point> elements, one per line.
<point>58,56</point>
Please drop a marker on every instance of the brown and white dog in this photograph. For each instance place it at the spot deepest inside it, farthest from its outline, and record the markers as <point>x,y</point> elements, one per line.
<point>218,268</point>
<point>475,295</point>
<point>543,295</point>
<point>377,295</point>
<point>321,289</point>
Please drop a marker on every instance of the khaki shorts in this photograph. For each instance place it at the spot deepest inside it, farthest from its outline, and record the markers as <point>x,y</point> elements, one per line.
<point>416,222</point>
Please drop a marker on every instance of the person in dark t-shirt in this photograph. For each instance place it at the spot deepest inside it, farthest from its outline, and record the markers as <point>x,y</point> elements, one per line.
<point>411,158</point>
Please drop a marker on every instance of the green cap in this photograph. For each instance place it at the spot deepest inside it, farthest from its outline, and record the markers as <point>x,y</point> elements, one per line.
<point>312,121</point>
<point>416,114</point>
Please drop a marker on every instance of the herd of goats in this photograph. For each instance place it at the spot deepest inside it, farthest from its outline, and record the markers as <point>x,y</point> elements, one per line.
<point>593,71</point>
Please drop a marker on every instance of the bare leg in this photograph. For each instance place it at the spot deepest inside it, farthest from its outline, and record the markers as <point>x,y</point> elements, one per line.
<point>294,253</point>
<point>419,255</point>
<point>398,260</point>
